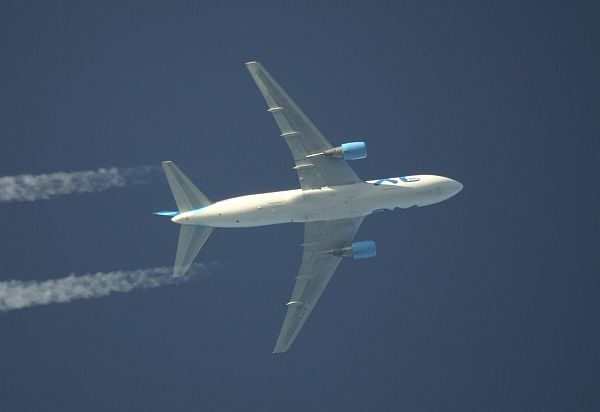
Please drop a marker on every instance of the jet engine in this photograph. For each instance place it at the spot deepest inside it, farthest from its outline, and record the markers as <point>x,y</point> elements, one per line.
<point>358,250</point>
<point>347,151</point>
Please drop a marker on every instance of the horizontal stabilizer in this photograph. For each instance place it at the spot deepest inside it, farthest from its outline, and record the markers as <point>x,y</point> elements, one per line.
<point>187,195</point>
<point>191,240</point>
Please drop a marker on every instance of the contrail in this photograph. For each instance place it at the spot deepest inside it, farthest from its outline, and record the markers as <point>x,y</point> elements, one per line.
<point>27,187</point>
<point>16,294</point>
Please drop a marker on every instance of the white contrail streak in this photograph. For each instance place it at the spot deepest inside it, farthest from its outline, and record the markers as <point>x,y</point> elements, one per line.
<point>26,187</point>
<point>16,294</point>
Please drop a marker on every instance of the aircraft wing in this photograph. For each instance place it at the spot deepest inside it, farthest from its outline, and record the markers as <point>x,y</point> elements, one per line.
<point>302,136</point>
<point>315,272</point>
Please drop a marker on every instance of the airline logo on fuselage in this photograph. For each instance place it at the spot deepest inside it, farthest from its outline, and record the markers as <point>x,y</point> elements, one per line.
<point>409,179</point>
<point>396,180</point>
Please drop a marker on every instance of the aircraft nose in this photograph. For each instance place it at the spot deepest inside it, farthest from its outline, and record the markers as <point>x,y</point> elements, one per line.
<point>450,187</point>
<point>454,186</point>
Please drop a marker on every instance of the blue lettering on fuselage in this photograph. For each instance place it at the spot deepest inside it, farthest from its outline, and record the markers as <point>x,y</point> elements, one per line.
<point>409,179</point>
<point>405,179</point>
<point>380,181</point>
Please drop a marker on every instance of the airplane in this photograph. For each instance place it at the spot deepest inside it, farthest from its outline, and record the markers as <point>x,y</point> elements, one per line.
<point>332,202</point>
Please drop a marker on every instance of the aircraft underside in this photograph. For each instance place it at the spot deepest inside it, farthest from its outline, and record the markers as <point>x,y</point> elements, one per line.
<point>328,203</point>
<point>332,202</point>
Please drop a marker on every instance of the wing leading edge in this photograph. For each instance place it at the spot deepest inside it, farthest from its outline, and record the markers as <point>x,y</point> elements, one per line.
<point>314,172</point>
<point>316,270</point>
<point>302,136</point>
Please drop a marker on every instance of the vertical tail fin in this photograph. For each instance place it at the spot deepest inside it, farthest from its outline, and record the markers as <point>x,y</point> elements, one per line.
<point>188,197</point>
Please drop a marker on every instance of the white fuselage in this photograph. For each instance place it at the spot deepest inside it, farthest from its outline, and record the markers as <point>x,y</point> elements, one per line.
<point>327,203</point>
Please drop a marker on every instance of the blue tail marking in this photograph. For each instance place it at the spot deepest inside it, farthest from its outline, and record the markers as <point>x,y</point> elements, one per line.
<point>166,213</point>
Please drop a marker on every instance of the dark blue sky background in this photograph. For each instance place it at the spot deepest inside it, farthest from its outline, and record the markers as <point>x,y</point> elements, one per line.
<point>486,302</point>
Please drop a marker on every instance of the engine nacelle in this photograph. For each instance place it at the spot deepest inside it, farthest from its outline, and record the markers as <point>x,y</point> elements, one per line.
<point>364,249</point>
<point>354,150</point>
<point>358,250</point>
<point>347,151</point>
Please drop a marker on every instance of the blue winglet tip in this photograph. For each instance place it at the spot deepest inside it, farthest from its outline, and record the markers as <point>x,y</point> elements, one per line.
<point>166,213</point>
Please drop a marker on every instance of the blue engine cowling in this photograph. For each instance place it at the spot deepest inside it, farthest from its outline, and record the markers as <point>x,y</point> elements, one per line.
<point>348,151</point>
<point>354,150</point>
<point>364,249</point>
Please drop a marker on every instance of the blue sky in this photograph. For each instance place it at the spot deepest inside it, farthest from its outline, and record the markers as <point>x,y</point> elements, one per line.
<point>485,302</point>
